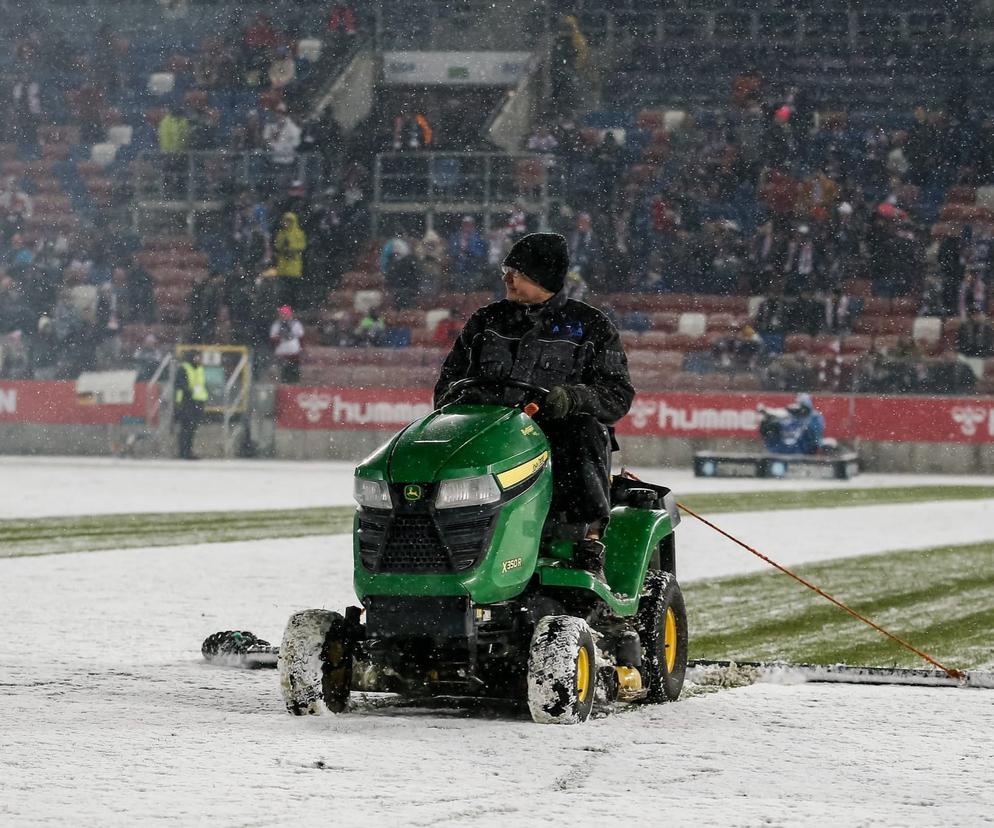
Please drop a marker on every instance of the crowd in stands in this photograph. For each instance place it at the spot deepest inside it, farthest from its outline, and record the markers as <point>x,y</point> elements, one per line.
<point>812,218</point>
<point>71,287</point>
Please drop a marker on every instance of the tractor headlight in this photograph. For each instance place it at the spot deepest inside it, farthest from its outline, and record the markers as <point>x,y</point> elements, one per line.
<point>373,494</point>
<point>467,491</point>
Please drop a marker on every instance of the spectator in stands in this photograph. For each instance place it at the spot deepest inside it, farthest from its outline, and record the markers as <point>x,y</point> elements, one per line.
<point>249,136</point>
<point>741,351</point>
<point>780,143</point>
<point>411,131</point>
<point>322,134</point>
<point>585,251</point>
<point>288,247</point>
<point>286,335</point>
<point>767,255</point>
<point>26,112</point>
<point>951,271</point>
<point>205,305</point>
<point>15,315</point>
<point>107,327</point>
<point>432,263</point>
<point>575,287</point>
<point>769,322</point>
<point>283,69</point>
<point>802,262</point>
<point>146,358</point>
<point>542,140</point>
<point>842,248</point>
<point>342,23</point>
<point>447,330</point>
<point>282,138</point>
<point>804,314</point>
<point>568,60</point>
<point>259,40</point>
<point>778,191</point>
<point>789,372</point>
<point>920,148</point>
<point>174,139</point>
<point>16,205</point>
<point>44,351</point>
<point>841,311</point>
<point>972,294</point>
<point>401,273</point>
<point>20,256</point>
<point>975,340</point>
<point>371,330</point>
<point>468,255</point>
<point>138,298</point>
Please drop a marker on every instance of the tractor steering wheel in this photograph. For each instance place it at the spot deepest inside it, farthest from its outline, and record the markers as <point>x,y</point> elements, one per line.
<point>458,386</point>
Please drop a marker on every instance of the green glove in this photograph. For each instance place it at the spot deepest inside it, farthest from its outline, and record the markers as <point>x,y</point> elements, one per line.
<point>559,402</point>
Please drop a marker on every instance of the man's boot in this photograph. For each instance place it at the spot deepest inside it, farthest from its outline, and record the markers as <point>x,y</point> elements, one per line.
<point>588,554</point>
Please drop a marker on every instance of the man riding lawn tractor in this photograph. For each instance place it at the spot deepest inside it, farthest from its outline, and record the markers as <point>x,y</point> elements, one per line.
<point>538,336</point>
<point>482,568</point>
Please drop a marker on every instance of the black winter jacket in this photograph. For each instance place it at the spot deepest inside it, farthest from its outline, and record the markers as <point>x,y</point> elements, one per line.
<point>561,342</point>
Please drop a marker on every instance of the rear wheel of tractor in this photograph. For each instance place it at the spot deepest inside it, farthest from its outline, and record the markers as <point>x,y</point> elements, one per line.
<point>302,662</point>
<point>562,671</point>
<point>662,627</point>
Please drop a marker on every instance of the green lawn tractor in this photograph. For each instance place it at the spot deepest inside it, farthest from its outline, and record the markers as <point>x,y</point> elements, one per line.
<point>466,590</point>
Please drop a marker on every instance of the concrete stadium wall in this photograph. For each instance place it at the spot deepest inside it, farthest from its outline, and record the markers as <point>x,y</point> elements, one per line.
<point>932,458</point>
<point>353,445</point>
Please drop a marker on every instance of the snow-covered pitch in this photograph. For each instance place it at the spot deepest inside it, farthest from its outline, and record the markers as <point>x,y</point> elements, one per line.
<point>108,716</point>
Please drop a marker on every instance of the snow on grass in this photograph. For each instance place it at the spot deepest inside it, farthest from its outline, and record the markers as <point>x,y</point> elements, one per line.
<point>938,599</point>
<point>50,486</point>
<point>110,717</point>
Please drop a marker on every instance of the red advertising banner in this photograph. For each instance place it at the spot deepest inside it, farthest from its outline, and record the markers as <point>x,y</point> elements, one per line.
<point>679,414</point>
<point>387,409</point>
<point>56,403</point>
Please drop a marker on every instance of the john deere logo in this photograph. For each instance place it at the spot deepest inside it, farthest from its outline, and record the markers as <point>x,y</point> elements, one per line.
<point>412,492</point>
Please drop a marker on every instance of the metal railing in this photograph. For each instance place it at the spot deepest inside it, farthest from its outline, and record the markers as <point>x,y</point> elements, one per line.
<point>478,183</point>
<point>230,406</point>
<point>159,405</point>
<point>617,28</point>
<point>200,177</point>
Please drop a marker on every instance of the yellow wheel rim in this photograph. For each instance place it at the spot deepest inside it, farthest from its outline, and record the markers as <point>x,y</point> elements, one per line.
<point>669,640</point>
<point>583,674</point>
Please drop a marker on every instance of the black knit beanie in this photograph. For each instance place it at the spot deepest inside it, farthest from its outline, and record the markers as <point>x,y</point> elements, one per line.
<point>543,258</point>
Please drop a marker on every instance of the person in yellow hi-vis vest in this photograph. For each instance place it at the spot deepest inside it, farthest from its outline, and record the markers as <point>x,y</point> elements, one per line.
<point>191,395</point>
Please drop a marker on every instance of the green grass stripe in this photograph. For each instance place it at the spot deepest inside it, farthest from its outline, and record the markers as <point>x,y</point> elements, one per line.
<point>56,535</point>
<point>52,536</point>
<point>829,498</point>
<point>937,599</point>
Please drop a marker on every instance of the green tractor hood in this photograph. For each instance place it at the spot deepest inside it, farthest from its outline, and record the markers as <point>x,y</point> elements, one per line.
<point>464,441</point>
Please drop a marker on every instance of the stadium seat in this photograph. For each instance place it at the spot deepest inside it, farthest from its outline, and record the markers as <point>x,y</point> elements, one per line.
<point>103,153</point>
<point>161,83</point>
<point>927,329</point>
<point>692,324</point>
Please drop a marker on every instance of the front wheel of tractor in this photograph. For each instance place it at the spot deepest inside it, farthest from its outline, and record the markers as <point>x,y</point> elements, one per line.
<point>315,663</point>
<point>562,671</point>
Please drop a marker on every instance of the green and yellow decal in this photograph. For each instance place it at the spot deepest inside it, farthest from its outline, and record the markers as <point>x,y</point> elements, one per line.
<point>512,477</point>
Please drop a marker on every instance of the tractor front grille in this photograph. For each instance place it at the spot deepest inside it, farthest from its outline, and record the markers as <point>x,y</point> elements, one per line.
<point>424,541</point>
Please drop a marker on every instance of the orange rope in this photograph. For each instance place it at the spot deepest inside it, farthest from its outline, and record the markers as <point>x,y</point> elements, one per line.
<point>952,673</point>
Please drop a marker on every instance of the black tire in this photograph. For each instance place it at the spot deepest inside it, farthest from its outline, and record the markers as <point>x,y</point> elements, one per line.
<point>562,671</point>
<point>664,657</point>
<point>336,668</point>
<point>302,663</point>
